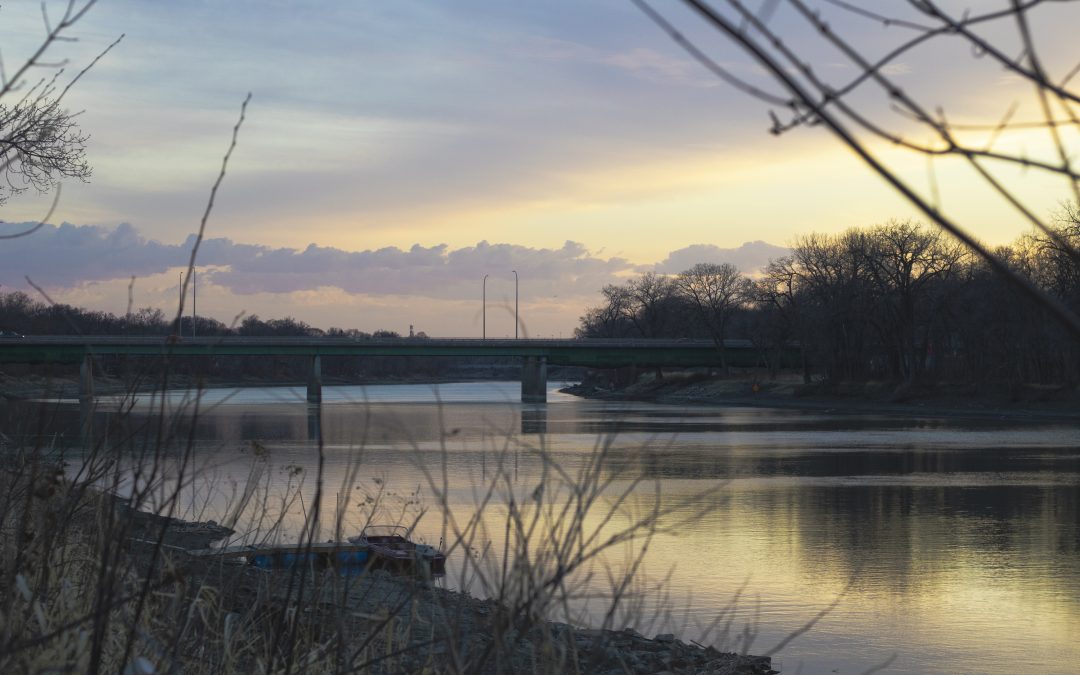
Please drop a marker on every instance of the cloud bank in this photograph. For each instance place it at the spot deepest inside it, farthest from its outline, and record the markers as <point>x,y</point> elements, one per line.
<point>749,258</point>
<point>437,287</point>
<point>67,256</point>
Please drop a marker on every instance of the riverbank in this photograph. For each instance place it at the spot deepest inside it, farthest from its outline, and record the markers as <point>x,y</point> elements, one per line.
<point>1017,402</point>
<point>372,621</point>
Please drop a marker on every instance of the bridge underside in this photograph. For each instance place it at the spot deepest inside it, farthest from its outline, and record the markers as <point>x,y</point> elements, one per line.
<point>536,355</point>
<point>586,353</point>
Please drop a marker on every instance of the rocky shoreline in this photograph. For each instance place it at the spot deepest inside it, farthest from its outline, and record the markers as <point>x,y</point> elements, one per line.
<point>446,629</point>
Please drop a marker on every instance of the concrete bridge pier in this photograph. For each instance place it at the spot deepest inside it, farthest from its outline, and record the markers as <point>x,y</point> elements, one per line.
<point>314,383</point>
<point>86,399</point>
<point>534,380</point>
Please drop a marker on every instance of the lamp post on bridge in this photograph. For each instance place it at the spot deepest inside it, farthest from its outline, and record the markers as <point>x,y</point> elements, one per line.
<point>483,311</point>
<point>515,304</point>
<point>180,307</point>
<point>179,324</point>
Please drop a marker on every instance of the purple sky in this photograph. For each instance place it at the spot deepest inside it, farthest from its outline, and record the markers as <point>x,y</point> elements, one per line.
<point>395,152</point>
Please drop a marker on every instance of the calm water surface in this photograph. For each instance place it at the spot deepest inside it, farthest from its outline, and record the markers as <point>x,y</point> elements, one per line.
<point>950,543</point>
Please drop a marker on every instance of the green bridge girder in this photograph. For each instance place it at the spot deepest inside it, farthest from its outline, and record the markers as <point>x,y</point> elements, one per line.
<point>590,353</point>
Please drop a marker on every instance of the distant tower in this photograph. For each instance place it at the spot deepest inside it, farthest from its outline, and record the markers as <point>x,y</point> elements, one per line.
<point>410,330</point>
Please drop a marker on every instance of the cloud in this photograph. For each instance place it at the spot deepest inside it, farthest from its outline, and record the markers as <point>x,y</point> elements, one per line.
<point>435,271</point>
<point>68,255</point>
<point>750,258</point>
<point>438,287</point>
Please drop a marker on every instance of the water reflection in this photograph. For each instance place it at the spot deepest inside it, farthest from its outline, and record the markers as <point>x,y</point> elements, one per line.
<point>953,543</point>
<point>534,419</point>
<point>314,422</point>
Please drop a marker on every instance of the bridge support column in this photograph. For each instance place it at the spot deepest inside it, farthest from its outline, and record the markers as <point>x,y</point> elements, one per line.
<point>534,380</point>
<point>86,399</point>
<point>314,383</point>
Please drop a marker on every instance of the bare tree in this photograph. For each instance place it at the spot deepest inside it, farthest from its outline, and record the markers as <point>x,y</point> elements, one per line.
<point>41,142</point>
<point>607,320</point>
<point>777,292</point>
<point>903,262</point>
<point>797,79</point>
<point>1051,259</point>
<point>716,292</point>
<point>648,304</point>
<point>831,275</point>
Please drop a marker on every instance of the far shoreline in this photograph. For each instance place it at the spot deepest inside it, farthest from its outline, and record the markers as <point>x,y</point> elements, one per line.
<point>1027,403</point>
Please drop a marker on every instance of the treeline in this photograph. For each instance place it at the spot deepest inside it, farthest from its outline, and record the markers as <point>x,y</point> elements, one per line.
<point>897,301</point>
<point>19,313</point>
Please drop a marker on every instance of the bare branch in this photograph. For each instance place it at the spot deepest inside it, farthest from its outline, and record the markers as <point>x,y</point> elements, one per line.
<point>210,205</point>
<point>820,109</point>
<point>41,223</point>
<point>704,59</point>
<point>89,66</point>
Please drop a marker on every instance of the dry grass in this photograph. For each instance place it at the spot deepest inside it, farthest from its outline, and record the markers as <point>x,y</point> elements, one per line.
<point>95,584</point>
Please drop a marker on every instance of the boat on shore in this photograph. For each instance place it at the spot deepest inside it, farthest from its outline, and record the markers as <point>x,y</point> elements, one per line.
<point>389,546</point>
<point>376,547</point>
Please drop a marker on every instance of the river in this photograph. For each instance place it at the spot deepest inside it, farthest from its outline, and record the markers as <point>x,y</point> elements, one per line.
<point>944,544</point>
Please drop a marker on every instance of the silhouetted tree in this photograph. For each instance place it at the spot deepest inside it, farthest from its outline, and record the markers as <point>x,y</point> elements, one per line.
<point>609,318</point>
<point>648,304</point>
<point>778,315</point>
<point>906,265</point>
<point>715,292</point>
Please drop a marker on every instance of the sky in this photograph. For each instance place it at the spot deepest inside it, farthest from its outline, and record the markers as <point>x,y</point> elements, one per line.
<point>394,153</point>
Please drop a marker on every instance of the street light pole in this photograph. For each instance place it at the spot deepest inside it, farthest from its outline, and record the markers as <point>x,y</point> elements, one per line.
<point>483,312</point>
<point>515,304</point>
<point>194,280</point>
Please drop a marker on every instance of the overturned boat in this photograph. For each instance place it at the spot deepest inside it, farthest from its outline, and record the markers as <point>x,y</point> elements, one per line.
<point>389,546</point>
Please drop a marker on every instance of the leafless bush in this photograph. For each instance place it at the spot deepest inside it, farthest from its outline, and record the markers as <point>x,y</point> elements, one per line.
<point>96,579</point>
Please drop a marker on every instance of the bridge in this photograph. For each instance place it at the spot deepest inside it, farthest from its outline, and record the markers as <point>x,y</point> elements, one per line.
<point>535,354</point>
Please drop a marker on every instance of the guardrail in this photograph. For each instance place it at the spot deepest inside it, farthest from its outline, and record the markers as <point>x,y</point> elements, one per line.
<point>596,352</point>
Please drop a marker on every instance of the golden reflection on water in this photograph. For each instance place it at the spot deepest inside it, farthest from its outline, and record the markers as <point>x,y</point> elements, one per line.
<point>953,546</point>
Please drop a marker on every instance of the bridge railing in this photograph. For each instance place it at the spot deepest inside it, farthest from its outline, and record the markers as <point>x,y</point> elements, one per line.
<point>620,343</point>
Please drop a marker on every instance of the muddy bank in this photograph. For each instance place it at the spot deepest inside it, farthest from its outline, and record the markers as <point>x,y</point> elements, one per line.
<point>406,624</point>
<point>1020,402</point>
